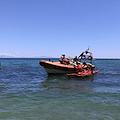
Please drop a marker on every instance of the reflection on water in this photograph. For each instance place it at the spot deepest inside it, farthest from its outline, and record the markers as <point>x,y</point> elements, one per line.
<point>63,82</point>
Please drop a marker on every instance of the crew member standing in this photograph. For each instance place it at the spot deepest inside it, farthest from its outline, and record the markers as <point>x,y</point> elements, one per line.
<point>62,58</point>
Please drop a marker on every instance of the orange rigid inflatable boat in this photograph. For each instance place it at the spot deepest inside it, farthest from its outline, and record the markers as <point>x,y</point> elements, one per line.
<point>57,67</point>
<point>68,65</point>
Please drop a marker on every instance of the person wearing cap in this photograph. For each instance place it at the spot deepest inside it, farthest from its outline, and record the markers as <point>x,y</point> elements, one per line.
<point>79,68</point>
<point>62,58</point>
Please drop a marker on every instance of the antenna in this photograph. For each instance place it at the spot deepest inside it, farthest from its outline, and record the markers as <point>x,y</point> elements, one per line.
<point>88,47</point>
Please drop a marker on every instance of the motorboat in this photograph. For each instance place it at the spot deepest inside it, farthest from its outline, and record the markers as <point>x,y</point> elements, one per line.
<point>53,67</point>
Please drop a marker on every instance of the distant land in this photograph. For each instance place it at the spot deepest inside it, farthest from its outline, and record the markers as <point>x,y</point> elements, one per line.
<point>7,56</point>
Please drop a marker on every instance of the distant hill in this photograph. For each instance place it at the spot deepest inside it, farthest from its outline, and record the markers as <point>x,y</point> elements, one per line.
<point>6,56</point>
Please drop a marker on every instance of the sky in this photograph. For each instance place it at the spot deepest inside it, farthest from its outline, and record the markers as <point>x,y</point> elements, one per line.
<point>35,28</point>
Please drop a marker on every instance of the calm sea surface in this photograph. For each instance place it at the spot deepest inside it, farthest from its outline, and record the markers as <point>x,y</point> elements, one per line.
<point>28,93</point>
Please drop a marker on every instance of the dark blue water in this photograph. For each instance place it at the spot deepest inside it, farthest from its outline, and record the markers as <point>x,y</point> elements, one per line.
<point>28,93</point>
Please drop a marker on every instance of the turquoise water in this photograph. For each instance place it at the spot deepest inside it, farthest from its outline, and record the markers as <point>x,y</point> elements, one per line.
<point>28,93</point>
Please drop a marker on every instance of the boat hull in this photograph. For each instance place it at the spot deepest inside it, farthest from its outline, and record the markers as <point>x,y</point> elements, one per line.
<point>85,73</point>
<point>56,67</point>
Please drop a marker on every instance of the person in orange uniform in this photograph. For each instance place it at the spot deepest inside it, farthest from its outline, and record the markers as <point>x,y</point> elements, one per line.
<point>79,68</point>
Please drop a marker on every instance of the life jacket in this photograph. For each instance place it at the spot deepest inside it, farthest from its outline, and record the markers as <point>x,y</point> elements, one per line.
<point>66,62</point>
<point>79,68</point>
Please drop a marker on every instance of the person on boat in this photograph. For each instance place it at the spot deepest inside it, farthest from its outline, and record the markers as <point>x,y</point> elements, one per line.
<point>66,61</point>
<point>87,66</point>
<point>75,59</point>
<point>79,68</point>
<point>62,58</point>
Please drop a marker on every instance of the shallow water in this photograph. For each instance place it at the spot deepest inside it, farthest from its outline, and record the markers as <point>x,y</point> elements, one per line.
<point>28,93</point>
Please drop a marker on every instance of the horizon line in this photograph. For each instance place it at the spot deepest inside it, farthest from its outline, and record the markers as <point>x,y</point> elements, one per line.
<point>47,58</point>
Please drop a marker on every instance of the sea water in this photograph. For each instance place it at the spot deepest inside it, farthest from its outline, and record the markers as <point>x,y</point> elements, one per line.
<point>27,92</point>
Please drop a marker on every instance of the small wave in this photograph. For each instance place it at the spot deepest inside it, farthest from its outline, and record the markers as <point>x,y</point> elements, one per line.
<point>109,73</point>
